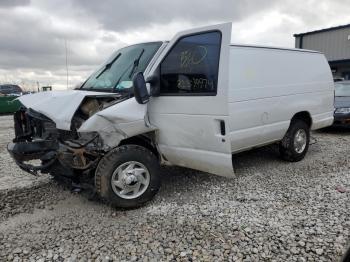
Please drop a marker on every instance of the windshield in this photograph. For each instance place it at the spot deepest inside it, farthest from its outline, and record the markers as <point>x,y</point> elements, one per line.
<point>342,89</point>
<point>117,72</point>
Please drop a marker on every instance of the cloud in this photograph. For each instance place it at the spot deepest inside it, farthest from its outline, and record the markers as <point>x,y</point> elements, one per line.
<point>122,16</point>
<point>33,33</point>
<point>13,3</point>
<point>34,39</point>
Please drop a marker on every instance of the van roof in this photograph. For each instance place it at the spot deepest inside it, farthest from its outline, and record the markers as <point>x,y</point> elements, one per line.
<point>276,48</point>
<point>262,46</point>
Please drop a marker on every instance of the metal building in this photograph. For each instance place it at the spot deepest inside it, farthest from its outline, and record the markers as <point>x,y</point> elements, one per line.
<point>334,42</point>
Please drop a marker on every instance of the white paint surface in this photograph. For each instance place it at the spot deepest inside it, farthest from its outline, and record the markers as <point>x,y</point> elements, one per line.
<point>267,87</point>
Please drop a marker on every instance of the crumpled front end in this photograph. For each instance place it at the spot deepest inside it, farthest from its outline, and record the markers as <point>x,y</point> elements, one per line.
<point>45,143</point>
<point>38,140</point>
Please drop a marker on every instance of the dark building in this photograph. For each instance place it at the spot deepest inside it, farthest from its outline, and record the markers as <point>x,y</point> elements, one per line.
<point>334,42</point>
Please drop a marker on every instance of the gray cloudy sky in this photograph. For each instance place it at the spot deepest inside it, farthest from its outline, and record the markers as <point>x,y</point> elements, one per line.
<point>33,32</point>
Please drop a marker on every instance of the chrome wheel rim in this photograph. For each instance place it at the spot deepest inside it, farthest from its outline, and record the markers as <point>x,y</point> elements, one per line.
<point>130,180</point>
<point>300,141</point>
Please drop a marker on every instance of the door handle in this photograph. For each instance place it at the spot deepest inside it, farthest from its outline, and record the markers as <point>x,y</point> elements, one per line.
<point>222,127</point>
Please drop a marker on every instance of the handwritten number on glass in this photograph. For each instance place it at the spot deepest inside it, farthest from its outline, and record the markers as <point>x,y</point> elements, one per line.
<point>195,84</point>
<point>193,57</point>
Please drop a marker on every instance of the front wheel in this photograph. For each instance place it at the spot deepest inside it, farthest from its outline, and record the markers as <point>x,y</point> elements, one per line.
<point>295,143</point>
<point>128,176</point>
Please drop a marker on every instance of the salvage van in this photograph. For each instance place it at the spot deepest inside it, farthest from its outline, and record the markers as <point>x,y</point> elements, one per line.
<point>192,102</point>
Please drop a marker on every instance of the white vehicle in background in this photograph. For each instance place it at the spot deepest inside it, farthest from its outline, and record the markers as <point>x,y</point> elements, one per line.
<point>202,101</point>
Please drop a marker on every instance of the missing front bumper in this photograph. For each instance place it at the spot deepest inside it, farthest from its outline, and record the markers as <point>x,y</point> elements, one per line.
<point>44,150</point>
<point>37,138</point>
<point>50,152</point>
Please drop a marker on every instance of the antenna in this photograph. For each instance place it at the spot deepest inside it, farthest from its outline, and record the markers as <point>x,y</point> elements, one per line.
<point>65,45</point>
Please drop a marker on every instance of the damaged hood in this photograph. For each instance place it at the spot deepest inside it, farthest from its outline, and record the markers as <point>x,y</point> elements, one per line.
<point>59,106</point>
<point>125,119</point>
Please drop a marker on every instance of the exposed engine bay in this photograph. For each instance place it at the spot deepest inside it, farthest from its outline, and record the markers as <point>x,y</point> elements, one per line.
<point>92,105</point>
<point>66,152</point>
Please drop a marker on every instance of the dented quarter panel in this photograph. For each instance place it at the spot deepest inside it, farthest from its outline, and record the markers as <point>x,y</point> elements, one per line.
<point>120,121</point>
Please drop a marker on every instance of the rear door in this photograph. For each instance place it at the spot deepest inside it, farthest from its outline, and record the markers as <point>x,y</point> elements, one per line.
<point>191,112</point>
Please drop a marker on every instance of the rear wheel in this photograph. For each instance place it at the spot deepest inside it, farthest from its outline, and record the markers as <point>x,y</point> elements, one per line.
<point>128,176</point>
<point>295,143</point>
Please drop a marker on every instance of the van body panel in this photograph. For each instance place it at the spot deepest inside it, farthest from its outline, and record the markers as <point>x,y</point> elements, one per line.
<point>322,120</point>
<point>198,159</point>
<point>268,86</point>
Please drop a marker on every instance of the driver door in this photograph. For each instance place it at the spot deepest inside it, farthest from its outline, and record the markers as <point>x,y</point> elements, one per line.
<point>191,111</point>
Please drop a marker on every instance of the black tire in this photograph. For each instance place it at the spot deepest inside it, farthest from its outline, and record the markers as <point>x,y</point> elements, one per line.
<point>117,157</point>
<point>346,257</point>
<point>287,149</point>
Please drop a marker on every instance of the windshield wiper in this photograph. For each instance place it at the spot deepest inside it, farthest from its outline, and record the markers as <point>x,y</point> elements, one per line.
<point>134,65</point>
<point>136,62</point>
<point>108,66</point>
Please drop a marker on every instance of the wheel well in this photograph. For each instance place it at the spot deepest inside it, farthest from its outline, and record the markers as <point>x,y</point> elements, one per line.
<point>304,116</point>
<point>141,140</point>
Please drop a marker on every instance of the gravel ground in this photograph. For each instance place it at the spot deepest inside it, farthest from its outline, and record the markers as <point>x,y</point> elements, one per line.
<point>272,211</point>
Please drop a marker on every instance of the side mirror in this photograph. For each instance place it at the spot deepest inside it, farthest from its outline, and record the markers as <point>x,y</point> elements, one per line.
<point>140,89</point>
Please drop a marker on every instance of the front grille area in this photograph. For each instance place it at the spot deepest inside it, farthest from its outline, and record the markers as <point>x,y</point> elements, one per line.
<point>30,125</point>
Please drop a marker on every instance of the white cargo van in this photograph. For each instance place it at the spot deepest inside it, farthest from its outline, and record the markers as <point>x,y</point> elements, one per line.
<point>202,101</point>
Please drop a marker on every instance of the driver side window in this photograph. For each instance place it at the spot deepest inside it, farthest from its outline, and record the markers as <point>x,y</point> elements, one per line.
<point>191,67</point>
